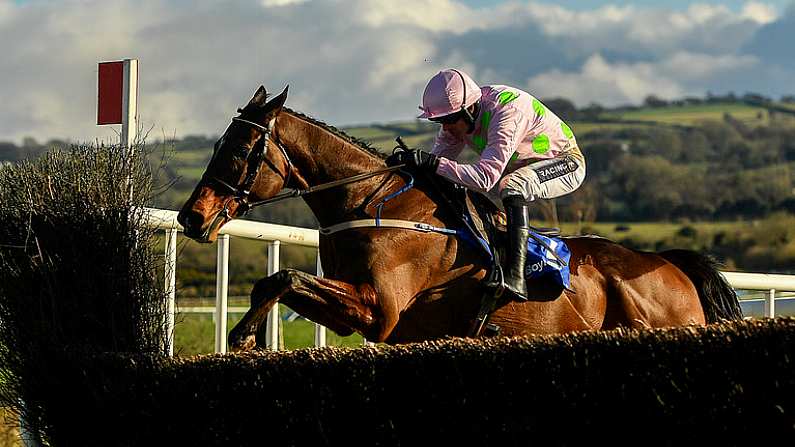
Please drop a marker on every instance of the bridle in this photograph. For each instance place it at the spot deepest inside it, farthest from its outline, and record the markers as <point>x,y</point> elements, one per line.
<point>254,161</point>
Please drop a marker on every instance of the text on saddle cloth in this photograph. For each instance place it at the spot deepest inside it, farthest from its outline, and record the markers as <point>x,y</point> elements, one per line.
<point>541,264</point>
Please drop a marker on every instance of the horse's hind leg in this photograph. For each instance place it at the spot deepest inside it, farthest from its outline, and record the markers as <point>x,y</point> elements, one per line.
<point>342,307</point>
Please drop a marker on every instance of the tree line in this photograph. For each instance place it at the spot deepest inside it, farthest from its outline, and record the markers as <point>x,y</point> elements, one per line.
<point>719,169</point>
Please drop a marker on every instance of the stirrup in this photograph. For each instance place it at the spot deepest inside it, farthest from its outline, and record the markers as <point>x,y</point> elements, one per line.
<point>514,295</point>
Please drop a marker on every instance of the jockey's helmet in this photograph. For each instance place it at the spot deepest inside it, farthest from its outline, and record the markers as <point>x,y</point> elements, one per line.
<point>449,91</point>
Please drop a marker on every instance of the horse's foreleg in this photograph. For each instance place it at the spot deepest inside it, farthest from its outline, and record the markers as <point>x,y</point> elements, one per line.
<point>342,307</point>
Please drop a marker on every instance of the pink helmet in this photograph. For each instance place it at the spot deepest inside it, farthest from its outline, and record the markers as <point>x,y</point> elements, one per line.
<point>445,94</point>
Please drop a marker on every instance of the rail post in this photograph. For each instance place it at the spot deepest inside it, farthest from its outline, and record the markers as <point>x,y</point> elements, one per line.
<point>170,286</point>
<point>320,330</point>
<point>273,323</point>
<point>221,292</point>
<point>770,304</point>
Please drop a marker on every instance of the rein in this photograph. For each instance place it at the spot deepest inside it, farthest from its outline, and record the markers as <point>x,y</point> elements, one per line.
<point>257,158</point>
<point>302,192</point>
<point>242,192</point>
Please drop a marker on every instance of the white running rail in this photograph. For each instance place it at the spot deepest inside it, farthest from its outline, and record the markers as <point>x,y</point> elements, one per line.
<point>275,235</point>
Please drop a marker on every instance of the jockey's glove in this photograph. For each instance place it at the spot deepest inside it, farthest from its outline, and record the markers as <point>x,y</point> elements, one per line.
<point>414,158</point>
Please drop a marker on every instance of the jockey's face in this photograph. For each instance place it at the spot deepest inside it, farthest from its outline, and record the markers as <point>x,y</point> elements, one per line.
<point>458,129</point>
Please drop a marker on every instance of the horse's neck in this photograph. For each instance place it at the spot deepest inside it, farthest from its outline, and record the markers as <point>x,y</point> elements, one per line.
<point>321,156</point>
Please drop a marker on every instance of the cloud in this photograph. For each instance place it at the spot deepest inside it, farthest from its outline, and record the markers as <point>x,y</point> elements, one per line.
<point>773,42</point>
<point>361,61</point>
<point>272,3</point>
<point>759,12</point>
<point>608,84</point>
<point>613,84</point>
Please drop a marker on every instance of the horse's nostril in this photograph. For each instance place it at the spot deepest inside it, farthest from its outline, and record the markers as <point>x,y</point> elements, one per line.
<point>190,220</point>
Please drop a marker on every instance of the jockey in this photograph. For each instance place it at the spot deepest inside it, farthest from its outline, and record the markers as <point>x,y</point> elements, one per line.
<point>526,152</point>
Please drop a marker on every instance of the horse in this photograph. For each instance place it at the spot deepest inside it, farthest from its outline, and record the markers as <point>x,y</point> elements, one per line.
<point>401,285</point>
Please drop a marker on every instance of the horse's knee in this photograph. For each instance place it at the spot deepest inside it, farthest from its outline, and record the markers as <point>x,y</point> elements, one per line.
<point>272,285</point>
<point>260,291</point>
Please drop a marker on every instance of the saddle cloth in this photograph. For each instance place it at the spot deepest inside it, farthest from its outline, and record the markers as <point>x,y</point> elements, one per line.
<point>487,220</point>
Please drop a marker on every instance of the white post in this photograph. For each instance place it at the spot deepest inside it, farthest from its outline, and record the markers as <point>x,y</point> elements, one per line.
<point>171,287</point>
<point>770,304</point>
<point>129,117</point>
<point>320,330</point>
<point>221,292</point>
<point>274,321</point>
<point>129,114</point>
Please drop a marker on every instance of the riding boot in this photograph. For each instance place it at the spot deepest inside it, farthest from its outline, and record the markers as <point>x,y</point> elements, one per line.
<point>518,231</point>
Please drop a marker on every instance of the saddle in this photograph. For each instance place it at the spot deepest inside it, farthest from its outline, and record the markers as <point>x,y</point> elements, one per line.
<point>485,228</point>
<point>488,221</point>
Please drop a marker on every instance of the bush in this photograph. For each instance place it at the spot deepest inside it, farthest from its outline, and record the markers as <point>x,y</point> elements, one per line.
<point>687,231</point>
<point>76,266</point>
<point>723,381</point>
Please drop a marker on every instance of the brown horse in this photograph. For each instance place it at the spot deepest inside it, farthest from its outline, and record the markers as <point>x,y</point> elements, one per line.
<point>402,285</point>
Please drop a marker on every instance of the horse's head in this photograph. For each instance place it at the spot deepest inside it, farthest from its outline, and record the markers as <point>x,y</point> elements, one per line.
<point>246,166</point>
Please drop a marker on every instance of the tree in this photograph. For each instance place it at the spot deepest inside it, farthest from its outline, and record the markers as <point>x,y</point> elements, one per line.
<point>563,108</point>
<point>654,102</point>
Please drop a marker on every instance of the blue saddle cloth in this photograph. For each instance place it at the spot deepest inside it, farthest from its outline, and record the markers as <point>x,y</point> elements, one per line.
<point>542,265</point>
<point>480,230</point>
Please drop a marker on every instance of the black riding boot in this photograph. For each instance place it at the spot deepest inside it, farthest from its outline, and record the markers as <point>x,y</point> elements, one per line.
<point>516,252</point>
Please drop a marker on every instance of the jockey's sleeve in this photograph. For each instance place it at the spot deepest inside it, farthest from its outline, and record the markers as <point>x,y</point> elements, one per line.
<point>504,134</point>
<point>446,145</point>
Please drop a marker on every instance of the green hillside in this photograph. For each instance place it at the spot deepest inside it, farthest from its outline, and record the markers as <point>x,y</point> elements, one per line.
<point>694,114</point>
<point>672,165</point>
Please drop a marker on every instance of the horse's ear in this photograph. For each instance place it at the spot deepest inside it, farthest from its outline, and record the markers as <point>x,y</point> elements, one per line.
<point>259,99</point>
<point>275,105</point>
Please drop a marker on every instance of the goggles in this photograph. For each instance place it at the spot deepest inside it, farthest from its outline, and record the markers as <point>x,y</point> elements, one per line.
<point>447,119</point>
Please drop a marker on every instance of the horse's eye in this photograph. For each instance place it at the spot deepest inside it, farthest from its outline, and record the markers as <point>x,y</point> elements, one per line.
<point>241,152</point>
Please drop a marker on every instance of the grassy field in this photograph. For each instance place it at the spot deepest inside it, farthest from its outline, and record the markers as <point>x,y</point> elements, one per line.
<point>693,114</point>
<point>190,164</point>
<point>195,333</point>
<point>649,232</point>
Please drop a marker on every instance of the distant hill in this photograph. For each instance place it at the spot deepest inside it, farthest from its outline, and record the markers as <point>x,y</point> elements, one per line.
<point>726,163</point>
<point>671,141</point>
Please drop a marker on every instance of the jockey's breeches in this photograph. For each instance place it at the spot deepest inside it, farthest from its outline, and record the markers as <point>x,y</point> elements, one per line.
<point>546,179</point>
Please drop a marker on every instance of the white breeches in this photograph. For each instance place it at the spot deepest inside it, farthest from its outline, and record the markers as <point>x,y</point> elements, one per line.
<point>546,179</point>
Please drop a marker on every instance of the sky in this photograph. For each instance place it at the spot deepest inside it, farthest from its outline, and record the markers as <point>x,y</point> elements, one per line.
<point>356,62</point>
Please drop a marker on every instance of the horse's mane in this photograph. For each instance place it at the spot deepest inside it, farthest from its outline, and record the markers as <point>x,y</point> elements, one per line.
<point>362,144</point>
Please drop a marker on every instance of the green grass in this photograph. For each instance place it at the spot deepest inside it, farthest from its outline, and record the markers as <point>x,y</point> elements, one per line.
<point>649,232</point>
<point>368,133</point>
<point>691,115</point>
<point>189,158</point>
<point>584,127</point>
<point>191,173</point>
<point>195,334</point>
<point>384,139</point>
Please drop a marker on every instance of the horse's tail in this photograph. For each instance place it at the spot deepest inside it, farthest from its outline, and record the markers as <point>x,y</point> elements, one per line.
<point>716,295</point>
